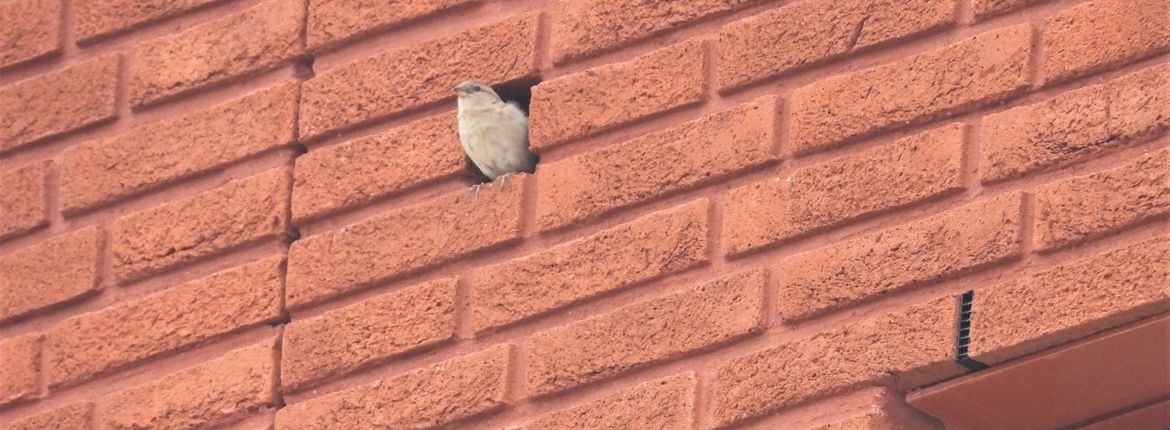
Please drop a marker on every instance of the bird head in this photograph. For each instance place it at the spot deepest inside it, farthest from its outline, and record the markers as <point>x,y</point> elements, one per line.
<point>474,91</point>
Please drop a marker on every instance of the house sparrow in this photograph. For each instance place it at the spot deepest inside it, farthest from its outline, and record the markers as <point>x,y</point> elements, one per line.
<point>494,134</point>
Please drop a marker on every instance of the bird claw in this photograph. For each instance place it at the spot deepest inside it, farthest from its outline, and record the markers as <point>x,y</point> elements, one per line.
<point>503,180</point>
<point>475,190</point>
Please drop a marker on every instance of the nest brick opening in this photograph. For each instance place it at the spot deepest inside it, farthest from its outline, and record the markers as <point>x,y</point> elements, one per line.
<point>518,91</point>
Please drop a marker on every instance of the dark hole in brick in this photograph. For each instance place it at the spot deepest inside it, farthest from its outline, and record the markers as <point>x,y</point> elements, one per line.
<point>518,91</point>
<point>473,171</point>
<point>304,68</point>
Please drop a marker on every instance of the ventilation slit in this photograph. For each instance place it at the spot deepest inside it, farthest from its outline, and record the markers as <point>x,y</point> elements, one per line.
<point>966,302</point>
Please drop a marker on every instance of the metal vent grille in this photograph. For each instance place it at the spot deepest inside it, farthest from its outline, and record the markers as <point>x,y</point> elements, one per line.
<point>966,302</point>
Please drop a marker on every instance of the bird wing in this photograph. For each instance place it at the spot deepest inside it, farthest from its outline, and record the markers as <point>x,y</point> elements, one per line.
<point>513,126</point>
<point>514,133</point>
<point>514,105</point>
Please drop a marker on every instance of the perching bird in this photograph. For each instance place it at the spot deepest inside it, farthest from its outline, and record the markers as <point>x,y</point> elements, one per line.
<point>494,134</point>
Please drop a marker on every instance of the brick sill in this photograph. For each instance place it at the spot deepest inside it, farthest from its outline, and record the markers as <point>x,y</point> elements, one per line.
<point>1117,380</point>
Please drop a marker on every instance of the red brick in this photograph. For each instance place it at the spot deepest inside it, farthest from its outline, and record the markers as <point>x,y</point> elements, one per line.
<point>1078,209</point>
<point>407,78</point>
<point>100,18</point>
<point>73,417</point>
<point>449,391</point>
<point>905,349</point>
<point>1103,33</point>
<point>172,320</point>
<point>988,8</point>
<point>57,102</point>
<point>666,403</point>
<point>586,351</point>
<point>368,332</point>
<point>164,152</point>
<point>22,199</point>
<point>1071,301</point>
<point>19,366</point>
<point>331,21</point>
<point>250,41</point>
<point>237,383</point>
<point>644,249</point>
<point>901,257</point>
<point>1075,125</point>
<point>363,170</point>
<point>596,183</point>
<point>927,86</point>
<point>808,32</point>
<point>872,420</point>
<point>29,29</point>
<point>910,170</point>
<point>883,414</point>
<point>585,28</point>
<point>238,213</point>
<point>584,103</point>
<point>403,241</point>
<point>49,273</point>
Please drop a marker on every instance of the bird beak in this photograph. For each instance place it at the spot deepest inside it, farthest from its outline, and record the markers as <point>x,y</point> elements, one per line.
<point>459,91</point>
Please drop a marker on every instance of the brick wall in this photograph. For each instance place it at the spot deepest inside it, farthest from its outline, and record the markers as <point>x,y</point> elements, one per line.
<point>254,214</point>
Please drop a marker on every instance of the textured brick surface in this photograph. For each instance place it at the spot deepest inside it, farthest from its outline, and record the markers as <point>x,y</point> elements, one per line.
<point>975,71</point>
<point>908,170</point>
<point>173,319</point>
<point>402,241</point>
<point>807,32</point>
<point>22,199</point>
<point>57,102</point>
<point>741,208</point>
<point>455,389</point>
<point>1074,210</point>
<point>643,249</point>
<point>402,79</point>
<point>900,257</point>
<point>252,40</point>
<point>29,29</point>
<point>97,18</point>
<point>875,417</point>
<point>905,348</point>
<point>236,383</point>
<point>73,417</point>
<point>238,213</point>
<point>367,332</point>
<point>48,273</point>
<point>164,152</point>
<point>365,169</point>
<point>659,329</point>
<point>1071,301</point>
<point>666,403</point>
<point>1075,125</point>
<point>987,8</point>
<point>19,365</point>
<point>584,103</point>
<point>595,183</point>
<point>335,20</point>
<point>583,28</point>
<point>1100,33</point>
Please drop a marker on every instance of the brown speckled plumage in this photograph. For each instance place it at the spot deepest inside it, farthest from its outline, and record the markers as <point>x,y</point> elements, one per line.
<point>493,133</point>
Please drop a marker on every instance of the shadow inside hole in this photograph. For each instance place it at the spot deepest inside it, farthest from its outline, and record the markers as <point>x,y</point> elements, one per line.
<point>304,68</point>
<point>519,91</point>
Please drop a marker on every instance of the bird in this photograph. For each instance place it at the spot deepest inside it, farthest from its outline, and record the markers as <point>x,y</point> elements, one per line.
<point>493,133</point>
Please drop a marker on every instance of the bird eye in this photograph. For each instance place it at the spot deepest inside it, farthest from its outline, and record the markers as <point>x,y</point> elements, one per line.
<point>474,88</point>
